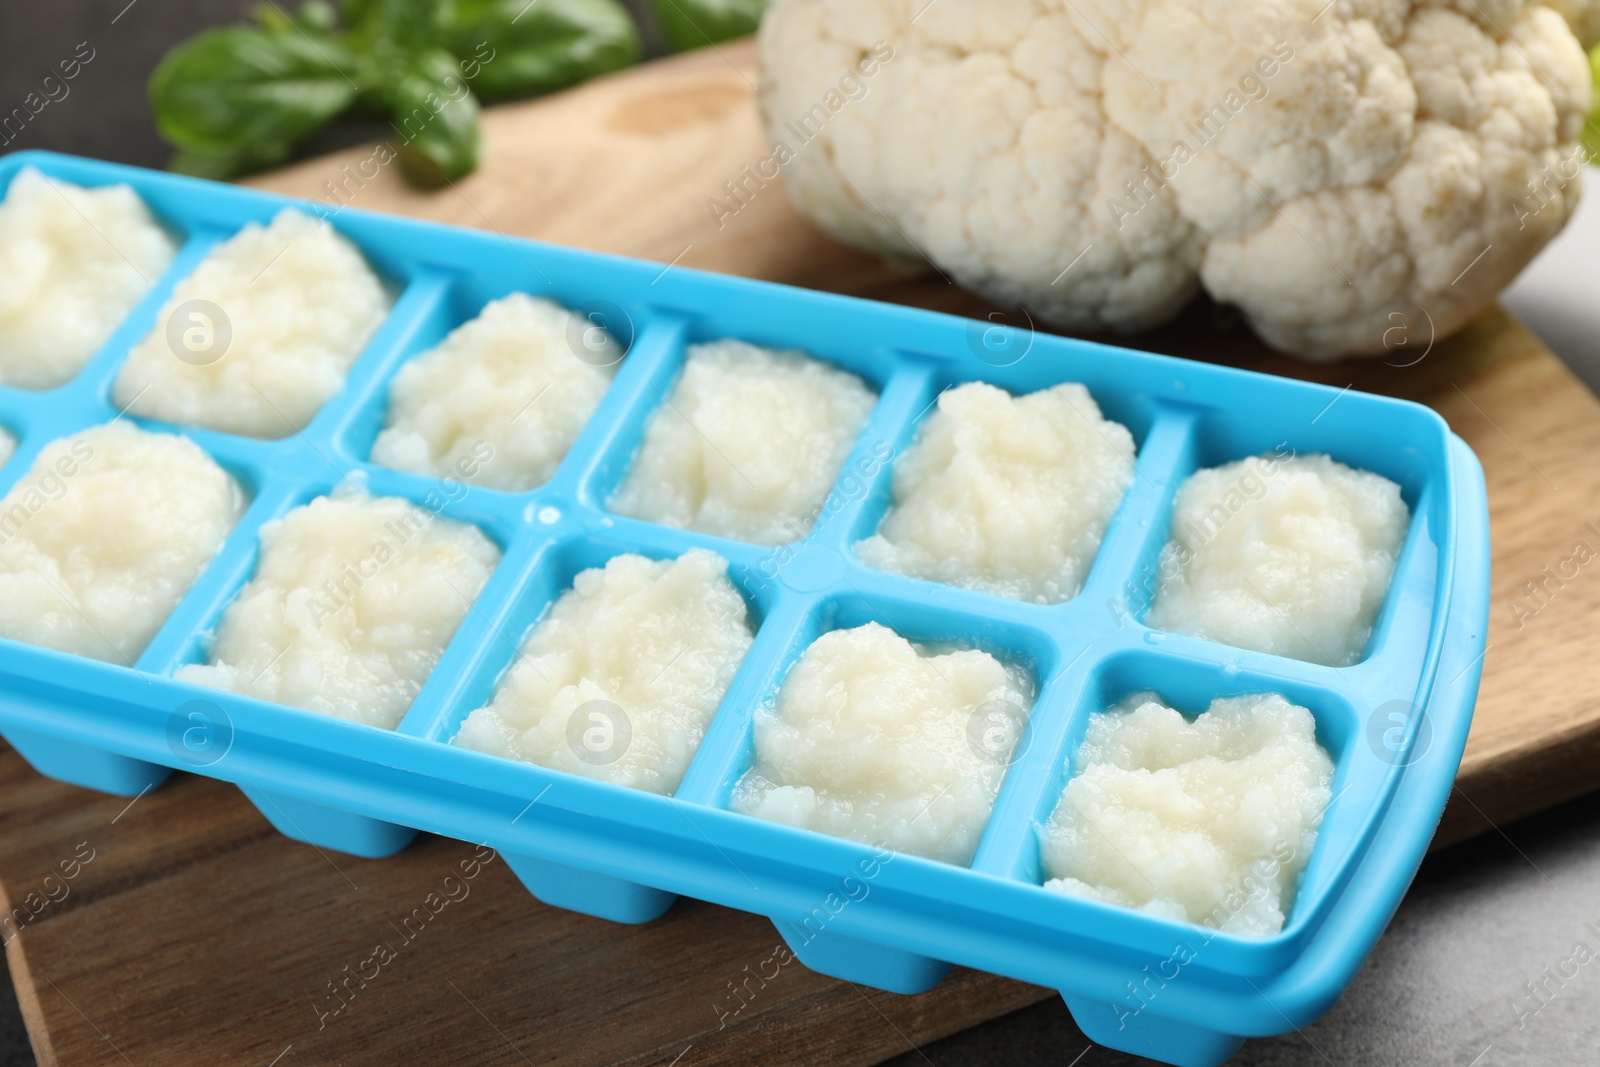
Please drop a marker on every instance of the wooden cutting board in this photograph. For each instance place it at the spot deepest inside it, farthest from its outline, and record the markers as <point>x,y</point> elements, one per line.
<point>196,935</point>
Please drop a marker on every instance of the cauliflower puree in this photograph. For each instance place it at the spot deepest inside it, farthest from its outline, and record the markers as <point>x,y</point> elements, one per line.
<point>872,740</point>
<point>1290,556</point>
<point>620,680</point>
<point>509,378</point>
<point>1209,821</point>
<point>103,536</point>
<point>1007,494</point>
<point>260,336</point>
<point>748,445</point>
<point>352,604</point>
<point>73,263</point>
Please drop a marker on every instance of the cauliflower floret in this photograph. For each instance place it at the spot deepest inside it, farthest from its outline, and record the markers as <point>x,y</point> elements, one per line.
<point>1583,16</point>
<point>981,143</point>
<point>1317,164</point>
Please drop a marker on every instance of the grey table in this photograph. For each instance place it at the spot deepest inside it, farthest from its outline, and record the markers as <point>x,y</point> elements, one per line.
<point>1476,970</point>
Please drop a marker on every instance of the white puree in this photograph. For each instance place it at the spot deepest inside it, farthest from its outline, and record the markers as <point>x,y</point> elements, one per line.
<point>1209,821</point>
<point>283,311</point>
<point>103,536</point>
<point>1007,494</point>
<point>73,263</point>
<point>875,741</point>
<point>1289,555</point>
<point>510,379</point>
<point>748,445</point>
<point>620,680</point>
<point>8,445</point>
<point>352,604</point>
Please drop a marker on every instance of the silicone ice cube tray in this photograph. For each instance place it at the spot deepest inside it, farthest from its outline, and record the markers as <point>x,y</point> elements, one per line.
<point>1395,723</point>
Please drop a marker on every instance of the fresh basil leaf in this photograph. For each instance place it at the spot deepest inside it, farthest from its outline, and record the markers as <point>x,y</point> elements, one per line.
<point>237,99</point>
<point>223,165</point>
<point>697,23</point>
<point>243,94</point>
<point>356,12</point>
<point>389,36</point>
<point>314,16</point>
<point>412,25</point>
<point>518,48</point>
<point>436,119</point>
<point>317,15</point>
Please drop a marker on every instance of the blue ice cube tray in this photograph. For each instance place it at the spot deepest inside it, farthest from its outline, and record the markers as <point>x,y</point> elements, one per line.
<point>1395,723</point>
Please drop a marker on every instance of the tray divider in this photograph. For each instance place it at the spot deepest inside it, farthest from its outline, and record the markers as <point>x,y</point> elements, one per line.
<point>201,608</point>
<point>1009,847</point>
<point>482,636</point>
<point>599,458</point>
<point>863,483</point>
<point>1123,579</point>
<point>99,375</point>
<point>723,753</point>
<point>425,294</point>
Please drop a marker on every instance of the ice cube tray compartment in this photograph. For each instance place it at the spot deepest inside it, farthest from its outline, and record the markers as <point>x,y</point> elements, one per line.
<point>622,854</point>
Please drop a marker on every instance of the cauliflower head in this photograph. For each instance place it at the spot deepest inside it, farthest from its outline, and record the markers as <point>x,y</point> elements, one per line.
<point>1324,166</point>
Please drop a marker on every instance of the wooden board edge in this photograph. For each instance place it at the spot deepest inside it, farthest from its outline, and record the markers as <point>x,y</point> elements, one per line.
<point>27,992</point>
<point>1522,784</point>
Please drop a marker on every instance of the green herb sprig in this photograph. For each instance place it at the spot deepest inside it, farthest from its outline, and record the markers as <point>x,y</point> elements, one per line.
<point>696,23</point>
<point>240,98</point>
